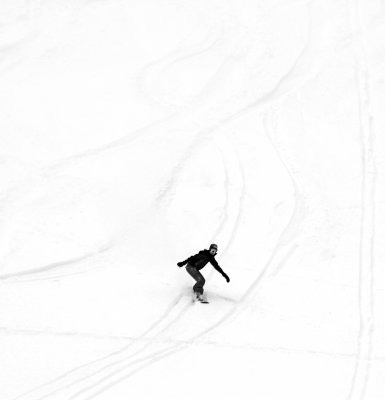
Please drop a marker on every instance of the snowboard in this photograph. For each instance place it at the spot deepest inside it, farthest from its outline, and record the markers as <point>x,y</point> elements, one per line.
<point>202,300</point>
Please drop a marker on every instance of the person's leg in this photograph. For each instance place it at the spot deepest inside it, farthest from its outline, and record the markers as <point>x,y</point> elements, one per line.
<point>200,280</point>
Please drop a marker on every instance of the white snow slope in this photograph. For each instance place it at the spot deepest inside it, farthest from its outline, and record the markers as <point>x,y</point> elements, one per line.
<point>135,133</point>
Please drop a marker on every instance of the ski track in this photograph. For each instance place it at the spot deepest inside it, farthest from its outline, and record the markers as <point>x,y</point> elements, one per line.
<point>178,55</point>
<point>361,372</point>
<point>234,178</point>
<point>59,268</point>
<point>286,235</point>
<point>89,370</point>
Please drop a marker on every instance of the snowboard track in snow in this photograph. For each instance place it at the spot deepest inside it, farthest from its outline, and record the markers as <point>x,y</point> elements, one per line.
<point>360,378</point>
<point>54,270</point>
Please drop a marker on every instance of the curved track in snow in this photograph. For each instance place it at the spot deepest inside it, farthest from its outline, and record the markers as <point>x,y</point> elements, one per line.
<point>361,372</point>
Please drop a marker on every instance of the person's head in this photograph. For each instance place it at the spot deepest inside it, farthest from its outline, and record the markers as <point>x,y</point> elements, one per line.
<point>213,249</point>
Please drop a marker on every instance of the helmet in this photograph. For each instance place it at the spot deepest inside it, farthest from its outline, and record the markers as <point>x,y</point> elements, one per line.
<point>213,246</point>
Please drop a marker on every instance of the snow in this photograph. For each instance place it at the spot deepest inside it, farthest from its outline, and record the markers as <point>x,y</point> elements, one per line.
<point>134,134</point>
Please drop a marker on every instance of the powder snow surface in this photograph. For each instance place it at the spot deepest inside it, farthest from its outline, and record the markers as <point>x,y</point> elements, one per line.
<point>135,133</point>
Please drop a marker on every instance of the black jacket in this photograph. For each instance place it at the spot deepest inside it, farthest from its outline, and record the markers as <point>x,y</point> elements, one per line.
<point>201,259</point>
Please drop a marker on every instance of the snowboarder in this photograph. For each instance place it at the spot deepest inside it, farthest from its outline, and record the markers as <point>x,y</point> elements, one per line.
<point>196,262</point>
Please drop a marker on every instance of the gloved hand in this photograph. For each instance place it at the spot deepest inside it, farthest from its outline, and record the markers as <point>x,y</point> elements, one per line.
<point>227,278</point>
<point>180,264</point>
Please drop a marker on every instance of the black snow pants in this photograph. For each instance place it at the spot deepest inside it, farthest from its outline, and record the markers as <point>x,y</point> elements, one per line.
<point>200,280</point>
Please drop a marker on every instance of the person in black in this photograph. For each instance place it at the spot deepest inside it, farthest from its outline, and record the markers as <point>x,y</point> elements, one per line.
<point>196,262</point>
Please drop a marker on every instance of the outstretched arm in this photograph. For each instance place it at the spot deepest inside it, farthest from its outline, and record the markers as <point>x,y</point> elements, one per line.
<point>182,263</point>
<point>215,264</point>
